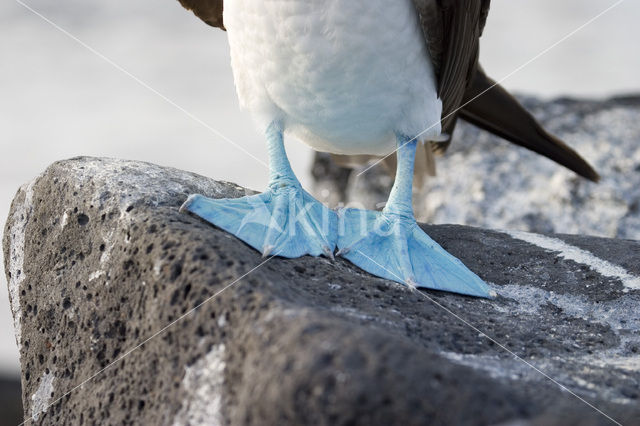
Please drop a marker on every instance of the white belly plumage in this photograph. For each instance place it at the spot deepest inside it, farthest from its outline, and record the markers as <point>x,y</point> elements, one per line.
<point>342,75</point>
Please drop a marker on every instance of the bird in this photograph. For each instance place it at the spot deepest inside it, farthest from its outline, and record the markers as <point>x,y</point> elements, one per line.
<point>353,78</point>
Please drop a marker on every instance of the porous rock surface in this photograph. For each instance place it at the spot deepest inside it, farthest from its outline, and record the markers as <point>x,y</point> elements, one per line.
<point>128,311</point>
<point>485,181</point>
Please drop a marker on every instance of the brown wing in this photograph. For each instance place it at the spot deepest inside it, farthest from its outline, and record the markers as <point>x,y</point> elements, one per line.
<point>210,11</point>
<point>452,30</point>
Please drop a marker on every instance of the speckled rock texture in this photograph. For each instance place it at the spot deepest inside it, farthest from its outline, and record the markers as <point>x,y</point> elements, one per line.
<point>485,181</point>
<point>130,312</point>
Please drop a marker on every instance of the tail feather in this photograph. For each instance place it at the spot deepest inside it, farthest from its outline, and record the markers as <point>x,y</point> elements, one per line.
<point>498,112</point>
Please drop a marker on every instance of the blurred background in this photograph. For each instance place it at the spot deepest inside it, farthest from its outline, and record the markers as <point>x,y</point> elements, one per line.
<point>59,99</point>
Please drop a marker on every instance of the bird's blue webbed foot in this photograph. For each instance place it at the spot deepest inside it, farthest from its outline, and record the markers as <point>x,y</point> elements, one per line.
<point>396,248</point>
<point>390,244</point>
<point>285,220</point>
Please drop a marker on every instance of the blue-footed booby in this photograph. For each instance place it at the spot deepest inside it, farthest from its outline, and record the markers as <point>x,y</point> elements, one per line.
<point>362,77</point>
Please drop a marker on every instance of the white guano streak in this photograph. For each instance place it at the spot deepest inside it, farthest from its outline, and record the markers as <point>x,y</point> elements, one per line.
<point>19,220</point>
<point>569,252</point>
<point>203,385</point>
<point>40,399</point>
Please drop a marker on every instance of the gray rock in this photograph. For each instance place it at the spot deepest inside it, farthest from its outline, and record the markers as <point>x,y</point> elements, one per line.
<point>485,181</point>
<point>128,311</point>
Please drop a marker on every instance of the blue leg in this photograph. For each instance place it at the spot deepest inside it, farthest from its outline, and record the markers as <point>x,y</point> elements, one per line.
<point>390,244</point>
<point>284,220</point>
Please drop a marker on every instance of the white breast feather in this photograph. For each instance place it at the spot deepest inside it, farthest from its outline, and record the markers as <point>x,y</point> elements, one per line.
<point>343,75</point>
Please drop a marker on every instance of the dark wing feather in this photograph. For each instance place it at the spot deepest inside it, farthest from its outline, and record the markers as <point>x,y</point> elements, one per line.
<point>452,30</point>
<point>210,11</point>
